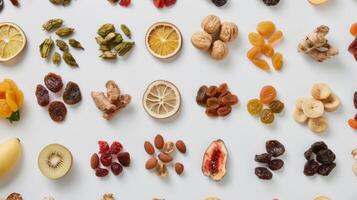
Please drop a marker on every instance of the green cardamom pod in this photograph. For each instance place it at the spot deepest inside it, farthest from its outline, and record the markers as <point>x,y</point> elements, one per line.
<point>75,44</point>
<point>69,59</point>
<point>45,47</point>
<point>62,45</point>
<point>109,37</point>
<point>126,30</point>
<point>108,55</point>
<point>105,29</point>
<point>118,39</point>
<point>104,47</point>
<point>123,48</point>
<point>56,58</point>
<point>99,40</point>
<point>52,24</point>
<point>64,32</point>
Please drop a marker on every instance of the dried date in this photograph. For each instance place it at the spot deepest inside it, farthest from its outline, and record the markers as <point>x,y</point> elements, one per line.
<point>72,94</point>
<point>57,111</point>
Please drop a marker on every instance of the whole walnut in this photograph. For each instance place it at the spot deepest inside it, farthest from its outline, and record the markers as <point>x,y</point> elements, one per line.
<point>229,32</point>
<point>219,50</point>
<point>211,24</point>
<point>201,40</point>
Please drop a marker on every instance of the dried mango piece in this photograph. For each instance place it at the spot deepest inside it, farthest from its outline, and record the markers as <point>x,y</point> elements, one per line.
<point>5,110</point>
<point>262,64</point>
<point>4,86</point>
<point>12,84</point>
<point>253,53</point>
<point>275,38</point>
<point>11,100</point>
<point>268,50</point>
<point>19,95</point>
<point>2,95</point>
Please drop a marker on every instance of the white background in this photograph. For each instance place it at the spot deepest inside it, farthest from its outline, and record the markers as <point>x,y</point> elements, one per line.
<point>244,135</point>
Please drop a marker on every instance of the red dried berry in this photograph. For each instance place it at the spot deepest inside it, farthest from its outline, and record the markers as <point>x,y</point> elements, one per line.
<point>124,3</point>
<point>159,3</point>
<point>124,158</point>
<point>15,3</point>
<point>116,168</point>
<point>100,172</point>
<point>103,147</point>
<point>115,148</point>
<point>106,159</point>
<point>170,2</point>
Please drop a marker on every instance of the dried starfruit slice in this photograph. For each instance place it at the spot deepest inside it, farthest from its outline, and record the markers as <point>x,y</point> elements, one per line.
<point>214,160</point>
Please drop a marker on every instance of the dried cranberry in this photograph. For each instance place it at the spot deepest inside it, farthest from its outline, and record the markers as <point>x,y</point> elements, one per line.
<point>115,148</point>
<point>308,154</point>
<point>42,95</point>
<point>159,3</point>
<point>15,3</point>
<point>310,167</point>
<point>318,146</point>
<point>100,172</point>
<point>275,148</point>
<point>124,159</point>
<point>325,156</point>
<point>355,118</point>
<point>326,169</point>
<point>106,159</point>
<point>103,147</point>
<point>276,164</point>
<point>170,2</point>
<point>53,82</point>
<point>263,173</point>
<point>125,3</point>
<point>116,168</point>
<point>263,158</point>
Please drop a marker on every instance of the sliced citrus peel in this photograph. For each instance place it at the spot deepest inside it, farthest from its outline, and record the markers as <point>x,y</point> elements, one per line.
<point>317,2</point>
<point>163,40</point>
<point>161,99</point>
<point>12,41</point>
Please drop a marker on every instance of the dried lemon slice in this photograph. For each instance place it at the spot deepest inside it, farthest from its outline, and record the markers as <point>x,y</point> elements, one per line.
<point>12,41</point>
<point>161,99</point>
<point>163,40</point>
<point>317,2</point>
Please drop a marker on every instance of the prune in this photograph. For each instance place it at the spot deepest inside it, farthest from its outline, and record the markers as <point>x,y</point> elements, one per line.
<point>276,106</point>
<point>124,159</point>
<point>267,116</point>
<point>276,164</point>
<point>57,111</point>
<point>53,82</point>
<point>263,173</point>
<point>212,91</point>
<point>318,146</point>
<point>271,2</point>
<point>325,156</point>
<point>219,3</point>
<point>263,158</point>
<point>308,154</point>
<point>254,106</point>
<point>275,148</point>
<point>213,103</point>
<point>224,111</point>
<point>72,93</point>
<point>326,169</point>
<point>355,99</point>
<point>311,167</point>
<point>100,172</point>
<point>42,95</point>
<point>201,97</point>
<point>116,168</point>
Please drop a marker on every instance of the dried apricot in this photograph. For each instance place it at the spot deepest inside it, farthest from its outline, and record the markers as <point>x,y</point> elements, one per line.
<point>19,96</point>
<point>267,94</point>
<point>352,123</point>
<point>266,28</point>
<point>254,106</point>
<point>256,40</point>
<point>353,29</point>
<point>268,50</point>
<point>5,110</point>
<point>267,116</point>
<point>277,61</point>
<point>262,64</point>
<point>253,52</point>
<point>275,38</point>
<point>11,100</point>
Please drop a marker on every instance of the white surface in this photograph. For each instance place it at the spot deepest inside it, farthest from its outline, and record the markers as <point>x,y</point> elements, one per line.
<point>244,135</point>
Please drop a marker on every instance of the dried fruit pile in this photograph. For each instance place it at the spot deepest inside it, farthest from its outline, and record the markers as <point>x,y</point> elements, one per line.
<point>320,160</point>
<point>354,156</point>
<point>317,46</point>
<point>111,43</point>
<point>267,97</point>
<point>217,100</point>
<point>274,149</point>
<point>11,100</point>
<point>215,36</point>
<point>214,164</point>
<point>163,3</point>
<point>271,2</point>
<point>311,109</point>
<point>352,48</point>
<point>56,109</point>
<point>123,3</point>
<point>111,102</point>
<point>106,157</point>
<point>265,30</point>
<point>165,156</point>
<point>353,121</point>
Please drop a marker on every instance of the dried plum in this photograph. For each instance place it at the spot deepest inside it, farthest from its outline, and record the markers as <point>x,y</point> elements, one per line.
<point>326,169</point>
<point>318,146</point>
<point>271,2</point>
<point>263,173</point>
<point>42,95</point>
<point>219,3</point>
<point>53,82</point>
<point>325,156</point>
<point>57,111</point>
<point>311,167</point>
<point>275,148</point>
<point>72,94</point>
<point>263,158</point>
<point>276,164</point>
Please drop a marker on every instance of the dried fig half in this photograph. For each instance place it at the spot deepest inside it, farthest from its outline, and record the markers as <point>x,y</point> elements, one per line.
<point>214,160</point>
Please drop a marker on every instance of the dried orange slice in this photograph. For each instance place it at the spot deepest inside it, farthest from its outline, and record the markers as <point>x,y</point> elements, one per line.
<point>161,99</point>
<point>317,2</point>
<point>163,40</point>
<point>12,41</point>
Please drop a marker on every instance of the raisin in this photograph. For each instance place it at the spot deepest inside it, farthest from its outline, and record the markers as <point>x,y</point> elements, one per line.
<point>275,148</point>
<point>276,106</point>
<point>275,38</point>
<point>271,2</point>
<point>267,94</point>
<point>263,158</point>
<point>308,154</point>
<point>230,100</point>
<point>254,53</point>
<point>213,103</point>
<point>318,146</point>
<point>353,29</point>
<point>42,95</point>
<point>223,89</point>
<point>100,172</point>
<point>326,169</point>
<point>115,148</point>
<point>355,99</point>
<point>124,159</point>
<point>72,93</point>
<point>1,5</point>
<point>311,167</point>
<point>254,106</point>
<point>267,116</point>
<point>266,28</point>
<point>325,156</point>
<point>263,173</point>
<point>276,164</point>
<point>262,64</point>
<point>256,40</point>
<point>106,159</point>
<point>211,112</point>
<point>268,50</point>
<point>53,82</point>
<point>201,97</point>
<point>224,111</point>
<point>116,168</point>
<point>219,3</point>
<point>277,61</point>
<point>212,91</point>
<point>57,111</point>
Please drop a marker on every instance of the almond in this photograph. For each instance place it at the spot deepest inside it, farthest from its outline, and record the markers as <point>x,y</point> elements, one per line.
<point>159,141</point>
<point>164,157</point>
<point>149,148</point>
<point>94,161</point>
<point>180,145</point>
<point>151,163</point>
<point>179,168</point>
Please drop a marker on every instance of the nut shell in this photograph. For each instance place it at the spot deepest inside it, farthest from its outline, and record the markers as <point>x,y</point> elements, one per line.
<point>202,40</point>
<point>211,24</point>
<point>219,50</point>
<point>229,32</point>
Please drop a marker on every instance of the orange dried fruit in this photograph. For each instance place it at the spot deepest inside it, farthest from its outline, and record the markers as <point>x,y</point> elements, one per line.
<point>253,52</point>
<point>268,50</point>
<point>262,64</point>
<point>11,100</point>
<point>19,96</point>
<point>5,110</point>
<point>353,29</point>
<point>277,61</point>
<point>266,28</point>
<point>275,38</point>
<point>352,123</point>
<point>267,94</point>
<point>256,40</point>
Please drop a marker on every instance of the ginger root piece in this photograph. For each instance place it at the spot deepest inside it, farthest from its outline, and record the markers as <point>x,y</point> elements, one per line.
<point>113,91</point>
<point>316,45</point>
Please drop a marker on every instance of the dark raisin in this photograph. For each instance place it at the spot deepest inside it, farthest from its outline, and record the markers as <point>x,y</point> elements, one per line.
<point>116,168</point>
<point>201,97</point>
<point>57,111</point>
<point>219,3</point>
<point>72,93</point>
<point>275,148</point>
<point>271,2</point>
<point>318,146</point>
<point>276,164</point>
<point>325,156</point>
<point>124,159</point>
<point>263,173</point>
<point>308,154</point>
<point>53,82</point>
<point>355,99</point>
<point>310,167</point>
<point>326,169</point>
<point>42,95</point>
<point>100,172</point>
<point>1,5</point>
<point>263,158</point>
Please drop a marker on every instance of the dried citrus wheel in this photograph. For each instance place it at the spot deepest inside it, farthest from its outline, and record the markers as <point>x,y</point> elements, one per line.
<point>163,40</point>
<point>12,41</point>
<point>161,99</point>
<point>317,2</point>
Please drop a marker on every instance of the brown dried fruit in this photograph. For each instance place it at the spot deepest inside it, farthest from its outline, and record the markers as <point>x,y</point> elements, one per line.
<point>151,163</point>
<point>213,103</point>
<point>100,172</point>
<point>230,100</point>
<point>14,196</point>
<point>57,111</point>
<point>164,157</point>
<point>211,112</point>
<point>72,93</point>
<point>181,146</point>
<point>214,160</point>
<point>223,89</point>
<point>202,97</point>
<point>275,148</point>
<point>263,173</point>
<point>212,91</point>
<point>42,95</point>
<point>159,141</point>
<point>149,148</point>
<point>179,168</point>
<point>94,161</point>
<point>224,111</point>
<point>53,82</point>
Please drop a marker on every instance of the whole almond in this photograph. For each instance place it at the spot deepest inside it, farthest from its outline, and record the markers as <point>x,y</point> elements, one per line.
<point>180,145</point>
<point>149,148</point>
<point>164,157</point>
<point>179,168</point>
<point>159,141</point>
<point>94,161</point>
<point>151,163</point>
